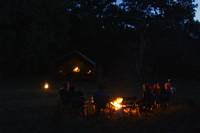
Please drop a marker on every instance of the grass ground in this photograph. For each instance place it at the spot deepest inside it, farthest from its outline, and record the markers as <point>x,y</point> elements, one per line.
<point>25,108</point>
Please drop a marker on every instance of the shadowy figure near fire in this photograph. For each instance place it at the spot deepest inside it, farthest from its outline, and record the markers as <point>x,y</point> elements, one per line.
<point>72,98</point>
<point>157,94</point>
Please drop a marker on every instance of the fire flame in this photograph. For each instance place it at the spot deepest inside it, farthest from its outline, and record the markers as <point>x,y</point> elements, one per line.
<point>76,69</point>
<point>117,103</point>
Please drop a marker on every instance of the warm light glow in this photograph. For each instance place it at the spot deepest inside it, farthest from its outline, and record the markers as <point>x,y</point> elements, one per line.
<point>89,72</point>
<point>76,69</point>
<point>46,86</point>
<point>117,103</point>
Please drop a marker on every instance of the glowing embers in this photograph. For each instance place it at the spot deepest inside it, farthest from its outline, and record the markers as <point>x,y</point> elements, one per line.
<point>117,103</point>
<point>76,69</point>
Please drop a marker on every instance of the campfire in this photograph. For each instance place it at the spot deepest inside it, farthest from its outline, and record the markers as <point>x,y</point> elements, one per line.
<point>127,107</point>
<point>117,103</point>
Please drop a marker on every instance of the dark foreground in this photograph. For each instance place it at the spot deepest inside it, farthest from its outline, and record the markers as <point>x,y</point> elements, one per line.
<point>25,108</point>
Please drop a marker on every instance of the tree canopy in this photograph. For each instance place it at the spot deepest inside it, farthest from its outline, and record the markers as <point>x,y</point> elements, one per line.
<point>147,34</point>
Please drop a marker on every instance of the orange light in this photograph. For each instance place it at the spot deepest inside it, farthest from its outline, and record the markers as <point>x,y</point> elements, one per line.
<point>46,86</point>
<point>76,69</point>
<point>117,103</point>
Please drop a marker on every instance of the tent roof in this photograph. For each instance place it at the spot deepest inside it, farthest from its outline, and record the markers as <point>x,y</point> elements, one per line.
<point>79,54</point>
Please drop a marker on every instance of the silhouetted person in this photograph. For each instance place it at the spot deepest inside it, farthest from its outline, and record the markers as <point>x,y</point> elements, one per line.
<point>163,97</point>
<point>89,107</point>
<point>72,98</point>
<point>77,101</point>
<point>156,91</point>
<point>148,96</point>
<point>100,99</point>
<point>168,88</point>
<point>64,92</point>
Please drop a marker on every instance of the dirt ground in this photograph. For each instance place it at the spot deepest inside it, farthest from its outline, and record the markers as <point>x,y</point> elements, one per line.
<point>25,108</point>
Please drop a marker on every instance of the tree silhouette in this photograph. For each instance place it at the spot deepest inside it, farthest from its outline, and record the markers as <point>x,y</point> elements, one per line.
<point>140,32</point>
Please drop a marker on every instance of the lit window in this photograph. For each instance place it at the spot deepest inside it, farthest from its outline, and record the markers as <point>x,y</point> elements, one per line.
<point>76,69</point>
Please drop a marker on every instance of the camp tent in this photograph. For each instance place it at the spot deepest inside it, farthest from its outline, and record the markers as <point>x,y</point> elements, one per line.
<point>75,65</point>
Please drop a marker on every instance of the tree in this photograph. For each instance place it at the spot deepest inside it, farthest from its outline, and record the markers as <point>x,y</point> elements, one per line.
<point>152,18</point>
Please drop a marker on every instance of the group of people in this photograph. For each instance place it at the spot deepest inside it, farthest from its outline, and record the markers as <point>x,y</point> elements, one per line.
<point>154,95</point>
<point>74,98</point>
<point>158,94</point>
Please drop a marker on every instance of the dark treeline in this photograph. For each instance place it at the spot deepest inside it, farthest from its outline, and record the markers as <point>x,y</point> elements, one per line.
<point>144,36</point>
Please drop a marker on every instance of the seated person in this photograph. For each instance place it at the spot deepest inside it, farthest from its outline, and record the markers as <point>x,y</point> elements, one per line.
<point>100,99</point>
